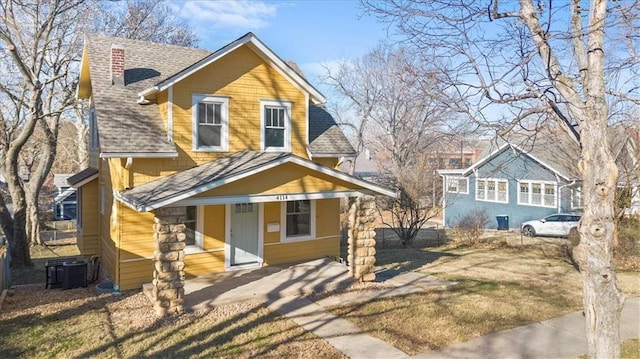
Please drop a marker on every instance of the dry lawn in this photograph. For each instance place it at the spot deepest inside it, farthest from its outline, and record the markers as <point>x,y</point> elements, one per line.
<point>77,323</point>
<point>39,323</point>
<point>501,287</point>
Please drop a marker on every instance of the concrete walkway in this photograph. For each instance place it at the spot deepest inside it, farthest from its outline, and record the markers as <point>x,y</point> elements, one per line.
<point>267,283</point>
<point>340,333</point>
<point>282,287</point>
<point>562,337</point>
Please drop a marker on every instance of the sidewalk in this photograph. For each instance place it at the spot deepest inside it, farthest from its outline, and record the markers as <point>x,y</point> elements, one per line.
<point>283,288</point>
<point>562,337</point>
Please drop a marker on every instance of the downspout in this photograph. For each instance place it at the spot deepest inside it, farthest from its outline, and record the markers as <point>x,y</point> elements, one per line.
<point>573,182</point>
<point>444,199</point>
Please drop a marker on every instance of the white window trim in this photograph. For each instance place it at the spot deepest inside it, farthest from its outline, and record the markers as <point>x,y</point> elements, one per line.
<point>224,133</point>
<point>287,125</point>
<point>199,246</point>
<point>573,192</point>
<point>486,189</point>
<point>542,188</point>
<point>457,178</point>
<point>283,223</point>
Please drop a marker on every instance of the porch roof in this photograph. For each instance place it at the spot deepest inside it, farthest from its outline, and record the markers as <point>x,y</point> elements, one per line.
<point>176,188</point>
<point>83,177</point>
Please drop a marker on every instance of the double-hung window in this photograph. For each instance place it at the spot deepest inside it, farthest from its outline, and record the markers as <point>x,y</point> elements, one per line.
<point>536,193</point>
<point>210,123</point>
<point>492,190</point>
<point>276,125</point>
<point>458,185</point>
<point>299,219</point>
<point>193,231</point>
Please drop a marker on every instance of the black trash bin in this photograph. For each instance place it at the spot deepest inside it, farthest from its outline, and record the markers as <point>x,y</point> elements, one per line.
<point>74,274</point>
<point>503,222</point>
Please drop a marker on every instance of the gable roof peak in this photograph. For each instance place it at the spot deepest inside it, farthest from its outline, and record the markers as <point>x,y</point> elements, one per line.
<point>260,48</point>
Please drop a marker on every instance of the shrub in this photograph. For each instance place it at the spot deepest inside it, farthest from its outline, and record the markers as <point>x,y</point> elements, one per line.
<point>470,227</point>
<point>627,253</point>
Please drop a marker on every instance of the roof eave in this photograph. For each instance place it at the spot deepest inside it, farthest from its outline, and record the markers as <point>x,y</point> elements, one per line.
<point>138,154</point>
<point>83,90</point>
<point>333,154</point>
<point>84,181</point>
<point>367,187</point>
<point>316,96</point>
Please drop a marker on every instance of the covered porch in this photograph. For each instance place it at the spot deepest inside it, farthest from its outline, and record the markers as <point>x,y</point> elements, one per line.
<point>247,211</point>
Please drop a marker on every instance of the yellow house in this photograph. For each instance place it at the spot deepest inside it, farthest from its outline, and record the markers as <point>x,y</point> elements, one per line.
<point>235,144</point>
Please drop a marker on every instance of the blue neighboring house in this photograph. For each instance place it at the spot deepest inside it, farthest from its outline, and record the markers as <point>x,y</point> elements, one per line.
<point>65,202</point>
<point>525,177</point>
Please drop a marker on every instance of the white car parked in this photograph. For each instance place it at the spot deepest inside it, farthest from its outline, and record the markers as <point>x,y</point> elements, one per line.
<point>554,225</point>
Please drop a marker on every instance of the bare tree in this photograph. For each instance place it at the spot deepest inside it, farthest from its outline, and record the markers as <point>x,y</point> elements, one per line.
<point>40,42</point>
<point>399,113</point>
<point>42,39</point>
<point>148,20</point>
<point>507,61</point>
<point>357,81</point>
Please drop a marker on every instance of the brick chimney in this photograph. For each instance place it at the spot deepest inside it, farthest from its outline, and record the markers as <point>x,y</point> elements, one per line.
<point>117,64</point>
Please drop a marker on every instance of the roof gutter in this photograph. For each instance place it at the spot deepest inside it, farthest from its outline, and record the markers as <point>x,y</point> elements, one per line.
<point>138,155</point>
<point>118,196</point>
<point>149,91</point>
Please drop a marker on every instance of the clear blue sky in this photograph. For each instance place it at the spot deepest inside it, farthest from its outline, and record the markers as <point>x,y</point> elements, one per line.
<point>307,32</point>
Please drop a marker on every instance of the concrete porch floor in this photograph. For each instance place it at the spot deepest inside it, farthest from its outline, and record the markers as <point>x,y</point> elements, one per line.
<point>267,283</point>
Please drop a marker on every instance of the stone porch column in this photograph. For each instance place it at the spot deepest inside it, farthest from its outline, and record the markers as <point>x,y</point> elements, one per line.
<point>168,260</point>
<point>362,239</point>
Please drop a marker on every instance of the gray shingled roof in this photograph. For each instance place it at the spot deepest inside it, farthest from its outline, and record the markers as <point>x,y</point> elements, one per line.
<point>188,183</point>
<point>185,181</point>
<point>556,150</point>
<point>325,137</point>
<point>128,127</point>
<point>124,125</point>
<point>82,176</point>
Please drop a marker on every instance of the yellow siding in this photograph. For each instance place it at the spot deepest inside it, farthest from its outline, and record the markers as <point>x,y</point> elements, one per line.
<point>286,178</point>
<point>126,237</point>
<point>135,273</point>
<point>88,238</point>
<point>136,234</point>
<point>108,258</point>
<point>214,227</point>
<point>271,215</point>
<point>302,250</point>
<point>245,79</point>
<point>328,217</point>
<point>203,263</point>
<point>162,101</point>
<point>109,224</point>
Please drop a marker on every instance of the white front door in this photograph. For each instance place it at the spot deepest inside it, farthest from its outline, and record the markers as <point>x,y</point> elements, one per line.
<point>244,244</point>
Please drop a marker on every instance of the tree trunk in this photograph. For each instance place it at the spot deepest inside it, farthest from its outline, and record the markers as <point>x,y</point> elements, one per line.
<point>602,299</point>
<point>18,243</point>
<point>33,222</point>
<point>39,176</point>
